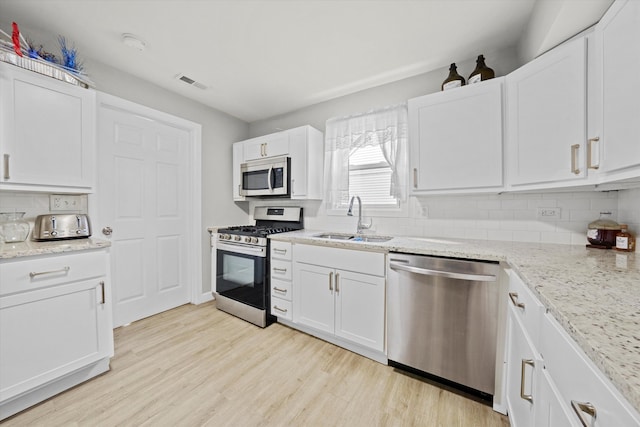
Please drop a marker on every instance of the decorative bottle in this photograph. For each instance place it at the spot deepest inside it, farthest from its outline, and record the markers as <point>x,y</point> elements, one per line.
<point>482,72</point>
<point>625,241</point>
<point>454,79</point>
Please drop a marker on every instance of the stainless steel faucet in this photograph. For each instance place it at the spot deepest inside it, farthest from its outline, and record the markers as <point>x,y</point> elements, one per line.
<point>361,226</point>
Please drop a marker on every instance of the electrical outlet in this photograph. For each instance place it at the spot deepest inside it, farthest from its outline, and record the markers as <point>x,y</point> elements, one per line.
<point>548,213</point>
<point>64,202</point>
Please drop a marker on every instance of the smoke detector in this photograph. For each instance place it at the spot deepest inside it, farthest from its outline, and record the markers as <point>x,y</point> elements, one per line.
<point>190,81</point>
<point>134,42</point>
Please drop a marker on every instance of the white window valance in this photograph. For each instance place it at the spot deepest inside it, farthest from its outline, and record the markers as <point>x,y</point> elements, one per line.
<point>385,127</point>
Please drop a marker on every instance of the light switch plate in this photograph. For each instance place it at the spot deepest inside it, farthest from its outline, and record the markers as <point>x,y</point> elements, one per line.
<point>64,202</point>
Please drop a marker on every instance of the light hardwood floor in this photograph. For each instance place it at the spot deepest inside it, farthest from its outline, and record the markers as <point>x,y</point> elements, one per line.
<point>197,366</point>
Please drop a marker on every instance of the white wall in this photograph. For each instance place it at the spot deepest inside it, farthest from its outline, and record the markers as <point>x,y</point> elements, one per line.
<point>502,62</point>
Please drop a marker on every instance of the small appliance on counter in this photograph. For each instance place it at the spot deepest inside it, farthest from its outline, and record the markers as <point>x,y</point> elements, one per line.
<point>601,233</point>
<point>61,227</point>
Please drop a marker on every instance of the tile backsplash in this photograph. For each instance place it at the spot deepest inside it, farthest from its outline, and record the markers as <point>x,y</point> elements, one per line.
<point>506,217</point>
<point>33,204</point>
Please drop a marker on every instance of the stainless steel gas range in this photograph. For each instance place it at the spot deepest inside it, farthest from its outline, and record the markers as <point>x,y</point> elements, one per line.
<point>242,263</point>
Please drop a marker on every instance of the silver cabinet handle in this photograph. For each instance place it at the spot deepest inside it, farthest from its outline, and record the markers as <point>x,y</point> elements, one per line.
<point>102,300</point>
<point>62,270</point>
<point>439,273</point>
<point>7,176</point>
<point>514,300</point>
<point>331,281</point>
<point>279,270</point>
<point>584,407</point>
<point>415,177</point>
<point>281,310</point>
<point>590,164</point>
<point>337,279</point>
<point>265,149</point>
<point>525,362</point>
<point>280,251</point>
<point>284,291</point>
<point>574,159</point>
<point>107,231</point>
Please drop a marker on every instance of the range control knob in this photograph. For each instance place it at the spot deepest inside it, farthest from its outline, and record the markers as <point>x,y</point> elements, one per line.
<point>254,240</point>
<point>247,239</point>
<point>237,238</point>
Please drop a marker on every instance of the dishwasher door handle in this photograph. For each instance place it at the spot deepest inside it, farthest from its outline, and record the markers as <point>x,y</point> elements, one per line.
<point>440,273</point>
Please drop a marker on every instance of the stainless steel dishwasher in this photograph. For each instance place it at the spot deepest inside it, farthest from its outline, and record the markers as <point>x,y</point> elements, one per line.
<point>442,318</point>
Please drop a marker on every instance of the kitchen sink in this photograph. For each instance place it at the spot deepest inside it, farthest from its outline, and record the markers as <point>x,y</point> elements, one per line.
<point>354,237</point>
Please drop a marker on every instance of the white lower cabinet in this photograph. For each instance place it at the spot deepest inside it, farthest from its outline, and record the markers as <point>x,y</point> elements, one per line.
<point>550,381</point>
<point>340,293</point>
<point>55,325</point>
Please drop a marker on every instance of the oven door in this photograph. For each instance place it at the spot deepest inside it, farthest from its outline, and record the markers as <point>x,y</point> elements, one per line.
<point>266,177</point>
<point>241,274</point>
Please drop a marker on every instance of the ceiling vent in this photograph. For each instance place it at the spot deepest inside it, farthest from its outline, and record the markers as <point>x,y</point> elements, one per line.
<point>190,81</point>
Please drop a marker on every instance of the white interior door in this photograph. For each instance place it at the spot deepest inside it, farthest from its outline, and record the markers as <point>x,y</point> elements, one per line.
<point>143,184</point>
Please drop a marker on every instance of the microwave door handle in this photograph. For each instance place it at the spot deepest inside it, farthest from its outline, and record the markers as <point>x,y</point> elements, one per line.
<point>270,179</point>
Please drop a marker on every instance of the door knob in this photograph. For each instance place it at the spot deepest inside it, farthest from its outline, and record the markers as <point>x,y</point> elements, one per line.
<point>107,231</point>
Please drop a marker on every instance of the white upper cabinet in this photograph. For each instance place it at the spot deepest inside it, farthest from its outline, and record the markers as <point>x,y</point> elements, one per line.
<point>618,36</point>
<point>47,140</point>
<point>456,139</point>
<point>273,145</point>
<point>546,119</point>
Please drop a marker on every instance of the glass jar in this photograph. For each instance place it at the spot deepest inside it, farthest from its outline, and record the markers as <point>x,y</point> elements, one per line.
<point>625,241</point>
<point>602,232</point>
<point>13,228</point>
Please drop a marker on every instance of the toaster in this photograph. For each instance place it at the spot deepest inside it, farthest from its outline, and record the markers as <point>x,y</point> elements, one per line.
<point>61,226</point>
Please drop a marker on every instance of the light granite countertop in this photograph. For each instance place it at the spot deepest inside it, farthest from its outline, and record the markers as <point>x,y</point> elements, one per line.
<point>30,248</point>
<point>594,294</point>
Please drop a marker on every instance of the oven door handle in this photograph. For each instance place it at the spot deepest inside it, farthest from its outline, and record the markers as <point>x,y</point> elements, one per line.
<point>260,251</point>
<point>440,273</point>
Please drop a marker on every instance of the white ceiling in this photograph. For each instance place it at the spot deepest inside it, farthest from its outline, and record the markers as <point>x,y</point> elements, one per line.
<point>263,58</point>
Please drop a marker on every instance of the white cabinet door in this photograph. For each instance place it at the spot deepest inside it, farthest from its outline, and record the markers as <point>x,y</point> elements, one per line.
<point>618,33</point>
<point>50,332</point>
<point>550,409</point>
<point>360,310</point>
<point>238,159</point>
<point>48,132</point>
<point>522,377</point>
<point>313,304</point>
<point>273,145</point>
<point>456,138</point>
<point>546,117</point>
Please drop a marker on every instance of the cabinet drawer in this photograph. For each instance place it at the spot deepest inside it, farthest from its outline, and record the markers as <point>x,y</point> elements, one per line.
<point>281,289</point>
<point>372,263</point>
<point>281,250</point>
<point>281,308</point>
<point>526,306</point>
<point>280,269</point>
<point>579,380</point>
<point>30,273</point>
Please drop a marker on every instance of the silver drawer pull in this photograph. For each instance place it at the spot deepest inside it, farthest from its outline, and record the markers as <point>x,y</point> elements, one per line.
<point>281,310</point>
<point>279,270</point>
<point>7,176</point>
<point>284,291</point>
<point>514,300</point>
<point>585,407</point>
<point>62,270</point>
<point>280,251</point>
<point>525,362</point>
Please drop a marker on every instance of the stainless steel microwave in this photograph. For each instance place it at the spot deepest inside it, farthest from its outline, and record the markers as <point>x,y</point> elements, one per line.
<point>266,177</point>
